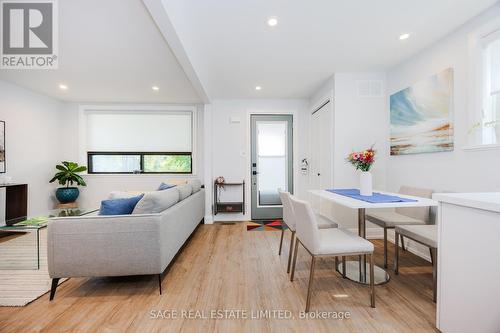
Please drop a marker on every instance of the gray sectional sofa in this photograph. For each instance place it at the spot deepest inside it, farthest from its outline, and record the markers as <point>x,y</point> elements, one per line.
<point>137,244</point>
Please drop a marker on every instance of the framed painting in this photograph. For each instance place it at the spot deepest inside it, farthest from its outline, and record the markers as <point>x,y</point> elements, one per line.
<point>421,116</point>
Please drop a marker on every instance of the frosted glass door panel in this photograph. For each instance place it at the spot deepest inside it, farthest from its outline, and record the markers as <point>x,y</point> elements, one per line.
<point>271,161</point>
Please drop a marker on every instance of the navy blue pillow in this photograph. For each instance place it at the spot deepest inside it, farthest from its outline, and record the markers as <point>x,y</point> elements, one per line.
<point>164,186</point>
<point>119,206</point>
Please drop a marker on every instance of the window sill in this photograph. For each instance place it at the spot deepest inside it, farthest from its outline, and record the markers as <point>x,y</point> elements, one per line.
<point>482,147</point>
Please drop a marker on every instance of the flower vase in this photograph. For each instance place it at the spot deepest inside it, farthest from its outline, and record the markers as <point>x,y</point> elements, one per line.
<point>365,183</point>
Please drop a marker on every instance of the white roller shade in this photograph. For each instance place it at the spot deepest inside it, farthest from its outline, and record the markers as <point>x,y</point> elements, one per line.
<point>139,131</point>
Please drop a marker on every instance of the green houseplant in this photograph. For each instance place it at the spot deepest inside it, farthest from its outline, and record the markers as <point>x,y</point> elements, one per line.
<point>67,175</point>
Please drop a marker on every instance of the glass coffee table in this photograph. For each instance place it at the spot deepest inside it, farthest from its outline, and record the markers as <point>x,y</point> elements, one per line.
<point>33,226</point>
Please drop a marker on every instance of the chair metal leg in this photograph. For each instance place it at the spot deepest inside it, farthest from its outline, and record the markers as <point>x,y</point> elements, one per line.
<point>290,253</point>
<point>434,274</point>
<point>343,267</point>
<point>372,282</point>
<point>55,283</point>
<point>432,259</point>
<point>402,242</point>
<point>281,239</point>
<point>396,255</point>
<point>309,288</point>
<point>385,247</point>
<point>294,258</point>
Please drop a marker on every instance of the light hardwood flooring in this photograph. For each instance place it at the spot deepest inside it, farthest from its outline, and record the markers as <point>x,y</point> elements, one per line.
<point>225,267</point>
<point>20,280</point>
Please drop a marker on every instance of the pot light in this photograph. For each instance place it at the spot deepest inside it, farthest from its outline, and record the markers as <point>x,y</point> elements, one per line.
<point>404,36</point>
<point>63,87</point>
<point>155,88</point>
<point>272,21</point>
<point>258,88</point>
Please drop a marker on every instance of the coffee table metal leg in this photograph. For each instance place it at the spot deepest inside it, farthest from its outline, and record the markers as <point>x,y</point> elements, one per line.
<point>38,247</point>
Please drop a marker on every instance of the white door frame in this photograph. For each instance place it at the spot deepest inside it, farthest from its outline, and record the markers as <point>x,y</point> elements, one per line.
<point>248,169</point>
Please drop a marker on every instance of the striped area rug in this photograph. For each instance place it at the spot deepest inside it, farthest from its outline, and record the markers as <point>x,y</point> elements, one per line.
<point>20,282</point>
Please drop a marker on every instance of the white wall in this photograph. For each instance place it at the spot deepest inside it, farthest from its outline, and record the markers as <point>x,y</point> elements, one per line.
<point>358,123</point>
<point>99,186</point>
<point>34,144</point>
<point>230,156</point>
<point>460,170</point>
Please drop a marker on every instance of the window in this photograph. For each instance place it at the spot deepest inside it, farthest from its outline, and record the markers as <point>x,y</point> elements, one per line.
<point>486,128</point>
<point>139,141</point>
<point>125,162</point>
<point>491,110</point>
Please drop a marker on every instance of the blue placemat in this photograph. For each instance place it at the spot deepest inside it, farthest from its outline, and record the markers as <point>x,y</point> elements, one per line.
<point>375,198</point>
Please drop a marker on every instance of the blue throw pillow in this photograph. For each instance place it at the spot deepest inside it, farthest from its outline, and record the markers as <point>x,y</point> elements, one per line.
<point>119,206</point>
<point>164,186</point>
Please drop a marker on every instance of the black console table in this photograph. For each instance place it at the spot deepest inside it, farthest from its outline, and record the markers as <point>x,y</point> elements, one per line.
<point>16,202</point>
<point>229,207</point>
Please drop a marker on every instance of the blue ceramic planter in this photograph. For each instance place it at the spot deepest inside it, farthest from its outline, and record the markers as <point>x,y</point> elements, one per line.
<point>67,194</point>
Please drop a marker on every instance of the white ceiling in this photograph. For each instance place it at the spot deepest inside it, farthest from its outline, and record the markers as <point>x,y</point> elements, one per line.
<point>233,50</point>
<point>109,51</point>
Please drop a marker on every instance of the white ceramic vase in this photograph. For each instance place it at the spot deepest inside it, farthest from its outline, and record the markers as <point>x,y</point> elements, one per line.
<point>365,183</point>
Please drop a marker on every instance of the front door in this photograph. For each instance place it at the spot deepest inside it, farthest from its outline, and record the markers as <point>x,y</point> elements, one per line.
<point>271,164</point>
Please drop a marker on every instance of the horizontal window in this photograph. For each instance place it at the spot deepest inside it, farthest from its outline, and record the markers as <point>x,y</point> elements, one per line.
<point>140,162</point>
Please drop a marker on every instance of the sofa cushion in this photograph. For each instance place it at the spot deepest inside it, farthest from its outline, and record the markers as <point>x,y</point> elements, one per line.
<point>124,206</point>
<point>196,184</point>
<point>165,186</point>
<point>123,195</point>
<point>184,191</point>
<point>157,202</point>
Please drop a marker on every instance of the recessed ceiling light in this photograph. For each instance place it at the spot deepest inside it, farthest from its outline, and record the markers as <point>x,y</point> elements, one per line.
<point>272,21</point>
<point>155,88</point>
<point>258,88</point>
<point>404,36</point>
<point>63,87</point>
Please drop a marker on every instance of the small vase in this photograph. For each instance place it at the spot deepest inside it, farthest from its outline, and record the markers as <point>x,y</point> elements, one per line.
<point>365,183</point>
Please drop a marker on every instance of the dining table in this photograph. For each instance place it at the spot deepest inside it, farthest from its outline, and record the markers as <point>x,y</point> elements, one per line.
<point>356,269</point>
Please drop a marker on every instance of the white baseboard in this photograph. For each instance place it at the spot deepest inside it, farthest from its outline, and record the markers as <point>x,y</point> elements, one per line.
<point>209,219</point>
<point>411,246</point>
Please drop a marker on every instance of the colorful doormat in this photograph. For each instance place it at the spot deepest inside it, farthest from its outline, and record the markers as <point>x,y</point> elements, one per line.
<point>268,225</point>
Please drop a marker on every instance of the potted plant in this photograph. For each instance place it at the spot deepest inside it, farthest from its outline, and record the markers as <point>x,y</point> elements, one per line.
<point>68,175</point>
<point>363,161</point>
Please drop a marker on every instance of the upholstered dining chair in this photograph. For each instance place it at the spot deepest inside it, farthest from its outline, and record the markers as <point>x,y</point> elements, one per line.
<point>289,220</point>
<point>402,216</point>
<point>332,242</point>
<point>426,235</point>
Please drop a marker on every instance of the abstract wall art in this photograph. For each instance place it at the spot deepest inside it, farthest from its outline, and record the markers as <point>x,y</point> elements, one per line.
<point>421,116</point>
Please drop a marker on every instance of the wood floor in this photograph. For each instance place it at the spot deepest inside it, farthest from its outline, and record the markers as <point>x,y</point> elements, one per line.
<point>225,267</point>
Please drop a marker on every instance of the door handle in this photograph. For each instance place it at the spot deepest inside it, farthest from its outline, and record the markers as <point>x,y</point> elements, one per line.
<point>319,174</point>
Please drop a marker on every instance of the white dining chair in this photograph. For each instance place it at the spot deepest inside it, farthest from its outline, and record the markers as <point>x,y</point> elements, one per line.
<point>332,242</point>
<point>402,216</point>
<point>426,235</point>
<point>289,221</point>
